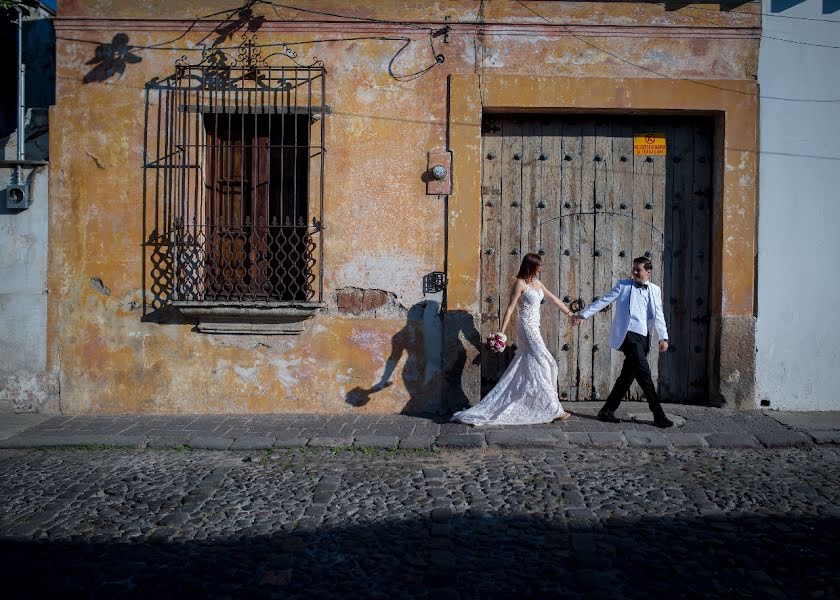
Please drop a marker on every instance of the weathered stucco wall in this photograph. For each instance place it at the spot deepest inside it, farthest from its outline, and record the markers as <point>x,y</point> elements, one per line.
<point>383,233</point>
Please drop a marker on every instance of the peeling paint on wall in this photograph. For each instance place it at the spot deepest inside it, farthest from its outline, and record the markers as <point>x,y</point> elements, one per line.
<point>284,370</point>
<point>36,393</point>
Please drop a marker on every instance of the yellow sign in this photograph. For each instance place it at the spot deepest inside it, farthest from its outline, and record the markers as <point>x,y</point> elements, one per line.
<point>649,144</point>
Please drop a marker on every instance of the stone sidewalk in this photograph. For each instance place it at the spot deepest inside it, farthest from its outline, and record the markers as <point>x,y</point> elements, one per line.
<point>698,427</point>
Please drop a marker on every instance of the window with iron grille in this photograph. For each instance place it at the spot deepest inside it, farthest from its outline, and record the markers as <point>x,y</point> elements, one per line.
<point>236,164</point>
<point>256,239</point>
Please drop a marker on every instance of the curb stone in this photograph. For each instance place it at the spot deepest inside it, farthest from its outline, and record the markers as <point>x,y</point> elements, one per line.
<point>521,439</point>
<point>89,439</point>
<point>206,442</point>
<point>166,442</point>
<point>20,441</point>
<point>416,443</point>
<point>48,441</point>
<point>461,440</point>
<point>783,439</point>
<point>576,438</point>
<point>289,442</point>
<point>731,440</point>
<point>607,439</point>
<point>646,439</point>
<point>127,441</point>
<point>686,440</point>
<point>329,442</point>
<point>825,437</point>
<point>560,440</point>
<point>252,443</point>
<point>376,441</point>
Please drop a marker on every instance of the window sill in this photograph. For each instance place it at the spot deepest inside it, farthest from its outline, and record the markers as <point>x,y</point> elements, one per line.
<point>257,318</point>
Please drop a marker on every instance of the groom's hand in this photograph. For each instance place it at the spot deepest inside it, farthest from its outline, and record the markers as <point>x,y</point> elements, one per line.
<point>577,320</point>
<point>663,345</point>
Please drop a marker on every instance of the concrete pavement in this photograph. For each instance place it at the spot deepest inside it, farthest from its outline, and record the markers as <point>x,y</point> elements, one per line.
<point>698,427</point>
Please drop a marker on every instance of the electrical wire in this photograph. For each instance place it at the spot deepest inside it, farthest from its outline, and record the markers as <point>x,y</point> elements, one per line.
<point>768,37</point>
<point>439,58</point>
<point>764,15</point>
<point>778,39</point>
<point>665,76</point>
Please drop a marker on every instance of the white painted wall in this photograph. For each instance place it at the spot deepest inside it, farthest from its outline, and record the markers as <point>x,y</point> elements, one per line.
<point>798,335</point>
<point>25,385</point>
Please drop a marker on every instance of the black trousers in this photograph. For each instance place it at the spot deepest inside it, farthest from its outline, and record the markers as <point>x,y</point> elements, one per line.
<point>635,349</point>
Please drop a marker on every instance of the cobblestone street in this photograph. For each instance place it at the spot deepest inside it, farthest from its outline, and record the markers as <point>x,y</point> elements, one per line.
<point>628,522</point>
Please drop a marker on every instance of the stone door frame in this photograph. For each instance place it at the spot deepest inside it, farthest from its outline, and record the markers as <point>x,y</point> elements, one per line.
<point>733,104</point>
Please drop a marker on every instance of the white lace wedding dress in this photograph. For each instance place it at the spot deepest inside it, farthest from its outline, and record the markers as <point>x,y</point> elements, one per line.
<point>527,392</point>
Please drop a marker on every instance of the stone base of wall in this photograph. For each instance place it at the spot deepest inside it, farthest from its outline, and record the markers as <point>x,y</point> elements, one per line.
<point>736,364</point>
<point>29,393</point>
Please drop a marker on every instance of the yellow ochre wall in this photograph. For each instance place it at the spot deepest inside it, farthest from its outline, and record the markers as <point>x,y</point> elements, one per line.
<point>382,231</point>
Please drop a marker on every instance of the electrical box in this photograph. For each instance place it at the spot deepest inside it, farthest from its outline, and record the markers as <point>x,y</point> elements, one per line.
<point>17,197</point>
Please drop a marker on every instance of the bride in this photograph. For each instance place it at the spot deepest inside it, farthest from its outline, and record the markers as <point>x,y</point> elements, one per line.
<point>527,392</point>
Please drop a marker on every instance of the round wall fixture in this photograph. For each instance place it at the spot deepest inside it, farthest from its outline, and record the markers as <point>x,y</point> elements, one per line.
<point>439,172</point>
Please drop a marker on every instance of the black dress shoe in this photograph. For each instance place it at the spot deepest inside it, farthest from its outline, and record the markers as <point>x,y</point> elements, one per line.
<point>663,422</point>
<point>608,416</point>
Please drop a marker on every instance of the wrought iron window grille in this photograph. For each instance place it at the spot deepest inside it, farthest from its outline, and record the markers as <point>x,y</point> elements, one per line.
<point>235,165</point>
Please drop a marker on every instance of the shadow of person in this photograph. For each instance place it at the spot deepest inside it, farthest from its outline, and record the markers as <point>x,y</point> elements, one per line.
<point>421,342</point>
<point>462,339</point>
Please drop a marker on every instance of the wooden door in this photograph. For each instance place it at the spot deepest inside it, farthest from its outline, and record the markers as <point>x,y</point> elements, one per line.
<point>256,206</point>
<point>571,189</point>
<point>227,205</point>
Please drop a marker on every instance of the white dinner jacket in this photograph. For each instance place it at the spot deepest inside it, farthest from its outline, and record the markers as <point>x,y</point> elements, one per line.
<point>620,294</point>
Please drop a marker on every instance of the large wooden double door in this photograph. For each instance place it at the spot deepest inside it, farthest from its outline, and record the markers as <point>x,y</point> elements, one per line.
<point>571,189</point>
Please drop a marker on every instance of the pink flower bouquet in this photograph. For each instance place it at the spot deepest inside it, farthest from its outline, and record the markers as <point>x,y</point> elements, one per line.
<point>497,342</point>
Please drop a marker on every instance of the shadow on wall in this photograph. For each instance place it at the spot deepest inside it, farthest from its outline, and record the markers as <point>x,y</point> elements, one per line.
<point>421,342</point>
<point>828,6</point>
<point>777,6</point>
<point>112,58</point>
<point>157,306</point>
<point>479,554</point>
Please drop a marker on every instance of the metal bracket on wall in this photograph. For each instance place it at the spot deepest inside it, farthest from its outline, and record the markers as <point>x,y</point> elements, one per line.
<point>438,175</point>
<point>434,282</point>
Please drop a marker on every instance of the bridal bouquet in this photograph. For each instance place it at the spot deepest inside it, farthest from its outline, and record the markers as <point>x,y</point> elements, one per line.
<point>497,342</point>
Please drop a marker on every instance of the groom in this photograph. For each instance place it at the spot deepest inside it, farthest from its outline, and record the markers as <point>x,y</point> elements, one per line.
<point>638,311</point>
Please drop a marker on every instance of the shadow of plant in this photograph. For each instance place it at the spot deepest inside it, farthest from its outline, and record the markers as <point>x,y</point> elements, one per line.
<point>111,59</point>
<point>245,18</point>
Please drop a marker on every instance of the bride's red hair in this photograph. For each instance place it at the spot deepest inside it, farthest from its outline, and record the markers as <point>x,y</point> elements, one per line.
<point>528,269</point>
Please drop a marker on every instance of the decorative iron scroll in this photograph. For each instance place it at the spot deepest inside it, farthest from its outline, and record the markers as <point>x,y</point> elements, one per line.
<point>248,54</point>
